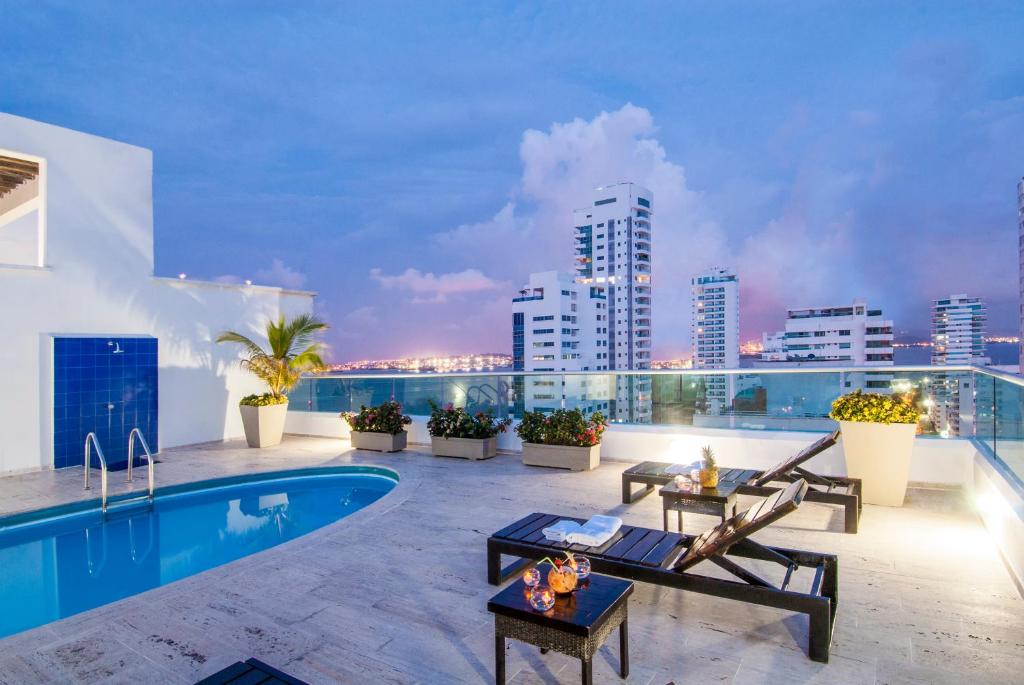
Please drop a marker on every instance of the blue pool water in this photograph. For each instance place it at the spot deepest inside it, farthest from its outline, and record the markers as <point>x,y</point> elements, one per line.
<point>68,563</point>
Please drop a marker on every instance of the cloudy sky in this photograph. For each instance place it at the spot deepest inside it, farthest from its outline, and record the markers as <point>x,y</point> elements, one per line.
<point>413,163</point>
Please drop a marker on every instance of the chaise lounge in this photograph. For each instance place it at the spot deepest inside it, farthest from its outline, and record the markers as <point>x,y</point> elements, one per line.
<point>662,558</point>
<point>846,492</point>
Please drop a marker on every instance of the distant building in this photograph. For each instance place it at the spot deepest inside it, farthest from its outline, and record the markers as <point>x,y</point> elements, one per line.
<point>958,331</point>
<point>715,332</point>
<point>849,335</point>
<point>559,325</point>
<point>958,338</point>
<point>613,255</point>
<point>1020,247</point>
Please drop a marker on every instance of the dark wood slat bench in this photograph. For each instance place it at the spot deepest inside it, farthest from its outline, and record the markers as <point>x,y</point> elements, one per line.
<point>845,492</point>
<point>250,672</point>
<point>667,559</point>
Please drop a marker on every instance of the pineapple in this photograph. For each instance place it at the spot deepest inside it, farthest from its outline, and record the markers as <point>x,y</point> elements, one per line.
<point>707,456</point>
<point>709,468</point>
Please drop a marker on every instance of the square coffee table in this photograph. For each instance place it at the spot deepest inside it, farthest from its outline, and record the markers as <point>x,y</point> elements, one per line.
<point>577,625</point>
<point>719,501</point>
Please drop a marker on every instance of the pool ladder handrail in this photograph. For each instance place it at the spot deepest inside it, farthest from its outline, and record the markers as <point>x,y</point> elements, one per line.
<point>92,441</point>
<point>150,470</point>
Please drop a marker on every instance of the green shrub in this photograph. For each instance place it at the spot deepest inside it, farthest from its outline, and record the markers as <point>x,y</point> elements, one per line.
<point>562,427</point>
<point>265,400</point>
<point>384,418</point>
<point>875,408</point>
<point>455,422</point>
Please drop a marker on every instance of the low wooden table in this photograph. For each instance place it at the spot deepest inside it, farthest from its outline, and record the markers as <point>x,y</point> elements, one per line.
<point>577,625</point>
<point>719,501</point>
<point>249,672</point>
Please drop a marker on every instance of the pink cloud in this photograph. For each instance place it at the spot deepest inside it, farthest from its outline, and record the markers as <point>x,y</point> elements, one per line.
<point>428,288</point>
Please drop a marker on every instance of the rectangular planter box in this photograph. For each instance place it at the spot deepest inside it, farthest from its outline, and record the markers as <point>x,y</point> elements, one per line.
<point>561,456</point>
<point>464,448</point>
<point>379,442</point>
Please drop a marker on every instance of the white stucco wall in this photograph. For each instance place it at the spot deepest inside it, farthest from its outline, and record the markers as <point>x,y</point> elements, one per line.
<point>935,461</point>
<point>98,279</point>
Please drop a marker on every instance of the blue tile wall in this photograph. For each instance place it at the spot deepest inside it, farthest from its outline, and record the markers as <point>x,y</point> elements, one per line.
<point>108,393</point>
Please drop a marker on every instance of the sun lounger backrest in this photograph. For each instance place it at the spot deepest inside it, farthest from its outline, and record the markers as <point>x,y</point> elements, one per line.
<point>807,453</point>
<point>764,512</point>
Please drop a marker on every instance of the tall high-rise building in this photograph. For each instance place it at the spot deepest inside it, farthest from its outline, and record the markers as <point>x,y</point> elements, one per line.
<point>958,338</point>
<point>613,254</point>
<point>1020,249</point>
<point>715,332</point>
<point>958,331</point>
<point>559,325</point>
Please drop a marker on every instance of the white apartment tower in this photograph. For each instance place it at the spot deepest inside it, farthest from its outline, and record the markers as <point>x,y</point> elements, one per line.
<point>958,338</point>
<point>958,331</point>
<point>715,331</point>
<point>848,335</point>
<point>612,240</point>
<point>559,325</point>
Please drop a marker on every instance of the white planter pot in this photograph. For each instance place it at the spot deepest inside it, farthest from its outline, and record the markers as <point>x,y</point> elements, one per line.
<point>879,454</point>
<point>562,456</point>
<point>464,448</point>
<point>263,426</point>
<point>379,442</point>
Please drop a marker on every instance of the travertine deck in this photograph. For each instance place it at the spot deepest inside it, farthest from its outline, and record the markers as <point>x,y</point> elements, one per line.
<point>396,593</point>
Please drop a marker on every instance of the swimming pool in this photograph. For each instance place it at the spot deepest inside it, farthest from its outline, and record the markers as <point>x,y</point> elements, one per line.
<point>62,561</point>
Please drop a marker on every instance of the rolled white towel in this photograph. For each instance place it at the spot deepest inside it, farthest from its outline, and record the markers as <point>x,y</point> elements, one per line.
<point>595,532</point>
<point>559,531</point>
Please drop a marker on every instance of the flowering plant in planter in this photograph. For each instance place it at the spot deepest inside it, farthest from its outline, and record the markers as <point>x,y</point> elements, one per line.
<point>875,408</point>
<point>569,427</point>
<point>455,422</point>
<point>384,418</point>
<point>878,442</point>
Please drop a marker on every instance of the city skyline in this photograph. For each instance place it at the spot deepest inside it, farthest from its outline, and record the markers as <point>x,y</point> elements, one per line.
<point>423,205</point>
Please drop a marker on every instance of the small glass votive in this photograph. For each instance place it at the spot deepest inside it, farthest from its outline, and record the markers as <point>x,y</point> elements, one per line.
<point>531,577</point>
<point>542,597</point>
<point>683,482</point>
<point>581,565</point>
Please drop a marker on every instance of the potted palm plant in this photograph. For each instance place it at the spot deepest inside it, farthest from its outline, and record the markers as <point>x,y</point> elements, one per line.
<point>380,428</point>
<point>455,432</point>
<point>565,439</point>
<point>878,439</point>
<point>292,350</point>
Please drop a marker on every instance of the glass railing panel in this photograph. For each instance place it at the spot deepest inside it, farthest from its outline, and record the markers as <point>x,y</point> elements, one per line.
<point>537,393</point>
<point>592,392</point>
<point>1008,426</point>
<point>754,399</point>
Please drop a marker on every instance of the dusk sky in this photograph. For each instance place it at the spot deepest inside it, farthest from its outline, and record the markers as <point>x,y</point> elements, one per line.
<point>414,162</point>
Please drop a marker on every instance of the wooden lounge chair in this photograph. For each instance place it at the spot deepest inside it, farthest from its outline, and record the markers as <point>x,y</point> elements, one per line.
<point>654,556</point>
<point>846,492</point>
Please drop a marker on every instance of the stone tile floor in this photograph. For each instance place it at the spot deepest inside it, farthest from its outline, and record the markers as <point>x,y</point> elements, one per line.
<point>396,593</point>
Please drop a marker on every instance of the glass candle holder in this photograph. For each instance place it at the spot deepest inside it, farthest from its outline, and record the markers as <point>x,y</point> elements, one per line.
<point>531,577</point>
<point>683,482</point>
<point>581,565</point>
<point>542,597</point>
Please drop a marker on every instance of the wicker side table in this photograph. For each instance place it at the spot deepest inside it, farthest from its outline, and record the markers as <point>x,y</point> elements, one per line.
<point>577,625</point>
